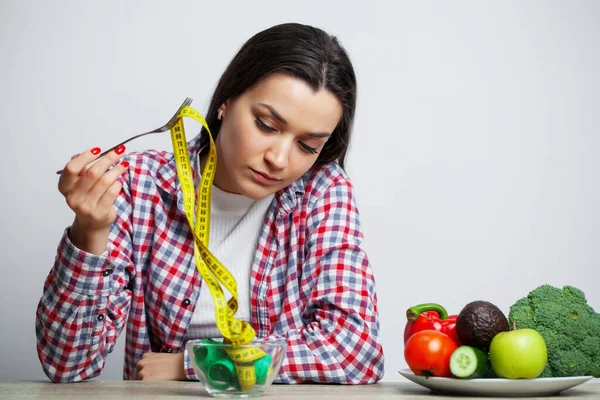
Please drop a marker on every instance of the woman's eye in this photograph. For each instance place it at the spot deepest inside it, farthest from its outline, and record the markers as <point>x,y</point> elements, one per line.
<point>263,126</point>
<point>266,128</point>
<point>308,149</point>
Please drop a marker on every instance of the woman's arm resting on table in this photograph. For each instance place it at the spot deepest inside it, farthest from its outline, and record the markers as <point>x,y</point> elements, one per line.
<point>339,342</point>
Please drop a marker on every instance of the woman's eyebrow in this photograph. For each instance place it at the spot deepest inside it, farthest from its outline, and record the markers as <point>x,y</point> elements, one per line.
<point>283,121</point>
<point>274,112</point>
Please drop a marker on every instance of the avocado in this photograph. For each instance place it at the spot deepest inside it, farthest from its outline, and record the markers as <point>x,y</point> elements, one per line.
<point>478,322</point>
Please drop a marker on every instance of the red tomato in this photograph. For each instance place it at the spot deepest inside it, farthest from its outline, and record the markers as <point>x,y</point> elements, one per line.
<point>428,353</point>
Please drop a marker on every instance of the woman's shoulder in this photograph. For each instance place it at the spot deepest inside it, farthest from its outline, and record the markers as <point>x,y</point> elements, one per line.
<point>159,165</point>
<point>326,180</point>
<point>149,160</point>
<point>154,162</point>
<point>325,192</point>
<point>150,169</point>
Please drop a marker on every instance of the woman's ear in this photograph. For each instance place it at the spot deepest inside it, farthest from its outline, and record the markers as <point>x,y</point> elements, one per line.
<point>221,111</point>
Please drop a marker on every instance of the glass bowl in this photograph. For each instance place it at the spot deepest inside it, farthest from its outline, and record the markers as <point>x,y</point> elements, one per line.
<point>228,370</point>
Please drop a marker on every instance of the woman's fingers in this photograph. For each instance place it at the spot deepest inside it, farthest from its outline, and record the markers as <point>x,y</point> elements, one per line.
<point>90,190</point>
<point>94,174</point>
<point>74,167</point>
<point>103,194</point>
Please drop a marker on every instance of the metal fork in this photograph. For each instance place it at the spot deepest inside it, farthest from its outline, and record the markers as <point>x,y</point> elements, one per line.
<point>163,128</point>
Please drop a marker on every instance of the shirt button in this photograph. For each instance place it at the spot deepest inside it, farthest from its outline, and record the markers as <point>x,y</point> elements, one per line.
<point>187,302</point>
<point>107,272</point>
<point>101,317</point>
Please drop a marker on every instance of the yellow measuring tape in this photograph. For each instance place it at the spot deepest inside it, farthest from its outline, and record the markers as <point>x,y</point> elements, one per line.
<point>213,273</point>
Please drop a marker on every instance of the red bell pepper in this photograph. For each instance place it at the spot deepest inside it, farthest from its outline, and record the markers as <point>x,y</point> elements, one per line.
<point>430,316</point>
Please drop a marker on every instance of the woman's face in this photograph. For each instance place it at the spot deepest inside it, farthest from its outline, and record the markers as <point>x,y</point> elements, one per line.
<point>272,134</point>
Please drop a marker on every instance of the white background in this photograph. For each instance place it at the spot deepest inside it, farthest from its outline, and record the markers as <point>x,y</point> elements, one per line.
<point>474,156</point>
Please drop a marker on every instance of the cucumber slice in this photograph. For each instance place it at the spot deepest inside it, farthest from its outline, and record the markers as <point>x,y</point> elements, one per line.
<point>468,362</point>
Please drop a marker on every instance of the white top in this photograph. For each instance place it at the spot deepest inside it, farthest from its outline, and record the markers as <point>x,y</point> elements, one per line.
<point>236,222</point>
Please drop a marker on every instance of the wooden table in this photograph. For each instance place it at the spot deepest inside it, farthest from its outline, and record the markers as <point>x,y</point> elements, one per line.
<point>132,390</point>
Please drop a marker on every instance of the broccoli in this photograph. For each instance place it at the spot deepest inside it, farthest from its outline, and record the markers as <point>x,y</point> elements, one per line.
<point>569,326</point>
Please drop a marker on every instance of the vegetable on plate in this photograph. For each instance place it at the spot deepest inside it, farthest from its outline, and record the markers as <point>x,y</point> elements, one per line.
<point>468,362</point>
<point>428,353</point>
<point>569,326</point>
<point>430,316</point>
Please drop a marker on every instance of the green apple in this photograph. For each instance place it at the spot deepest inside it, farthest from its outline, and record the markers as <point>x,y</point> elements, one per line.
<point>520,353</point>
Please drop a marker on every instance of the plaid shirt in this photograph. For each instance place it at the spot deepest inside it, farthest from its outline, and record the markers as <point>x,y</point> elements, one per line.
<point>310,281</point>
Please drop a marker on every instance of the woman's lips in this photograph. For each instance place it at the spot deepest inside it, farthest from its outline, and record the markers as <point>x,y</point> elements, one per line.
<point>264,179</point>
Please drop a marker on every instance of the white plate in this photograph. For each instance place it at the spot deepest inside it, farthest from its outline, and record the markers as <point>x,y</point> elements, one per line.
<point>496,387</point>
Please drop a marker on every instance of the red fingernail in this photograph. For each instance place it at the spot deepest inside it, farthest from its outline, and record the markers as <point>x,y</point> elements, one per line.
<point>120,149</point>
<point>125,164</point>
<point>95,151</point>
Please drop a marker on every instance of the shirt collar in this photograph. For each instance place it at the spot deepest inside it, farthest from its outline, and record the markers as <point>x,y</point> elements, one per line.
<point>288,196</point>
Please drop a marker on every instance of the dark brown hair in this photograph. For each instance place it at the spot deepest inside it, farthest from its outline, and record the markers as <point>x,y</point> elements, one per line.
<point>300,51</point>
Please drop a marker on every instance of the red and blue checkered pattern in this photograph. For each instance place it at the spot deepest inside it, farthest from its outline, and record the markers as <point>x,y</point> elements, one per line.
<point>310,282</point>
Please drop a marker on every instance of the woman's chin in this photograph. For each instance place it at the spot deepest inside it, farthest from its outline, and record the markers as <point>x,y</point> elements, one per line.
<point>258,192</point>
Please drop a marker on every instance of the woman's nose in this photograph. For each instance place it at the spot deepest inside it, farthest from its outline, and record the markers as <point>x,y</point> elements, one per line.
<point>278,153</point>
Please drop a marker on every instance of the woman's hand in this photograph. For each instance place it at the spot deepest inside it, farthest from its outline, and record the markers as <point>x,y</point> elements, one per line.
<point>160,367</point>
<point>90,191</point>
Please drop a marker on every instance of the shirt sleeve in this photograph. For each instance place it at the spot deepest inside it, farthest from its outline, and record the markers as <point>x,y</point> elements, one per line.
<point>85,303</point>
<point>190,373</point>
<point>339,342</point>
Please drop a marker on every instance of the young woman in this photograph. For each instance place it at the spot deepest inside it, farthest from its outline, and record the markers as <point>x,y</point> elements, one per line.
<point>283,221</point>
